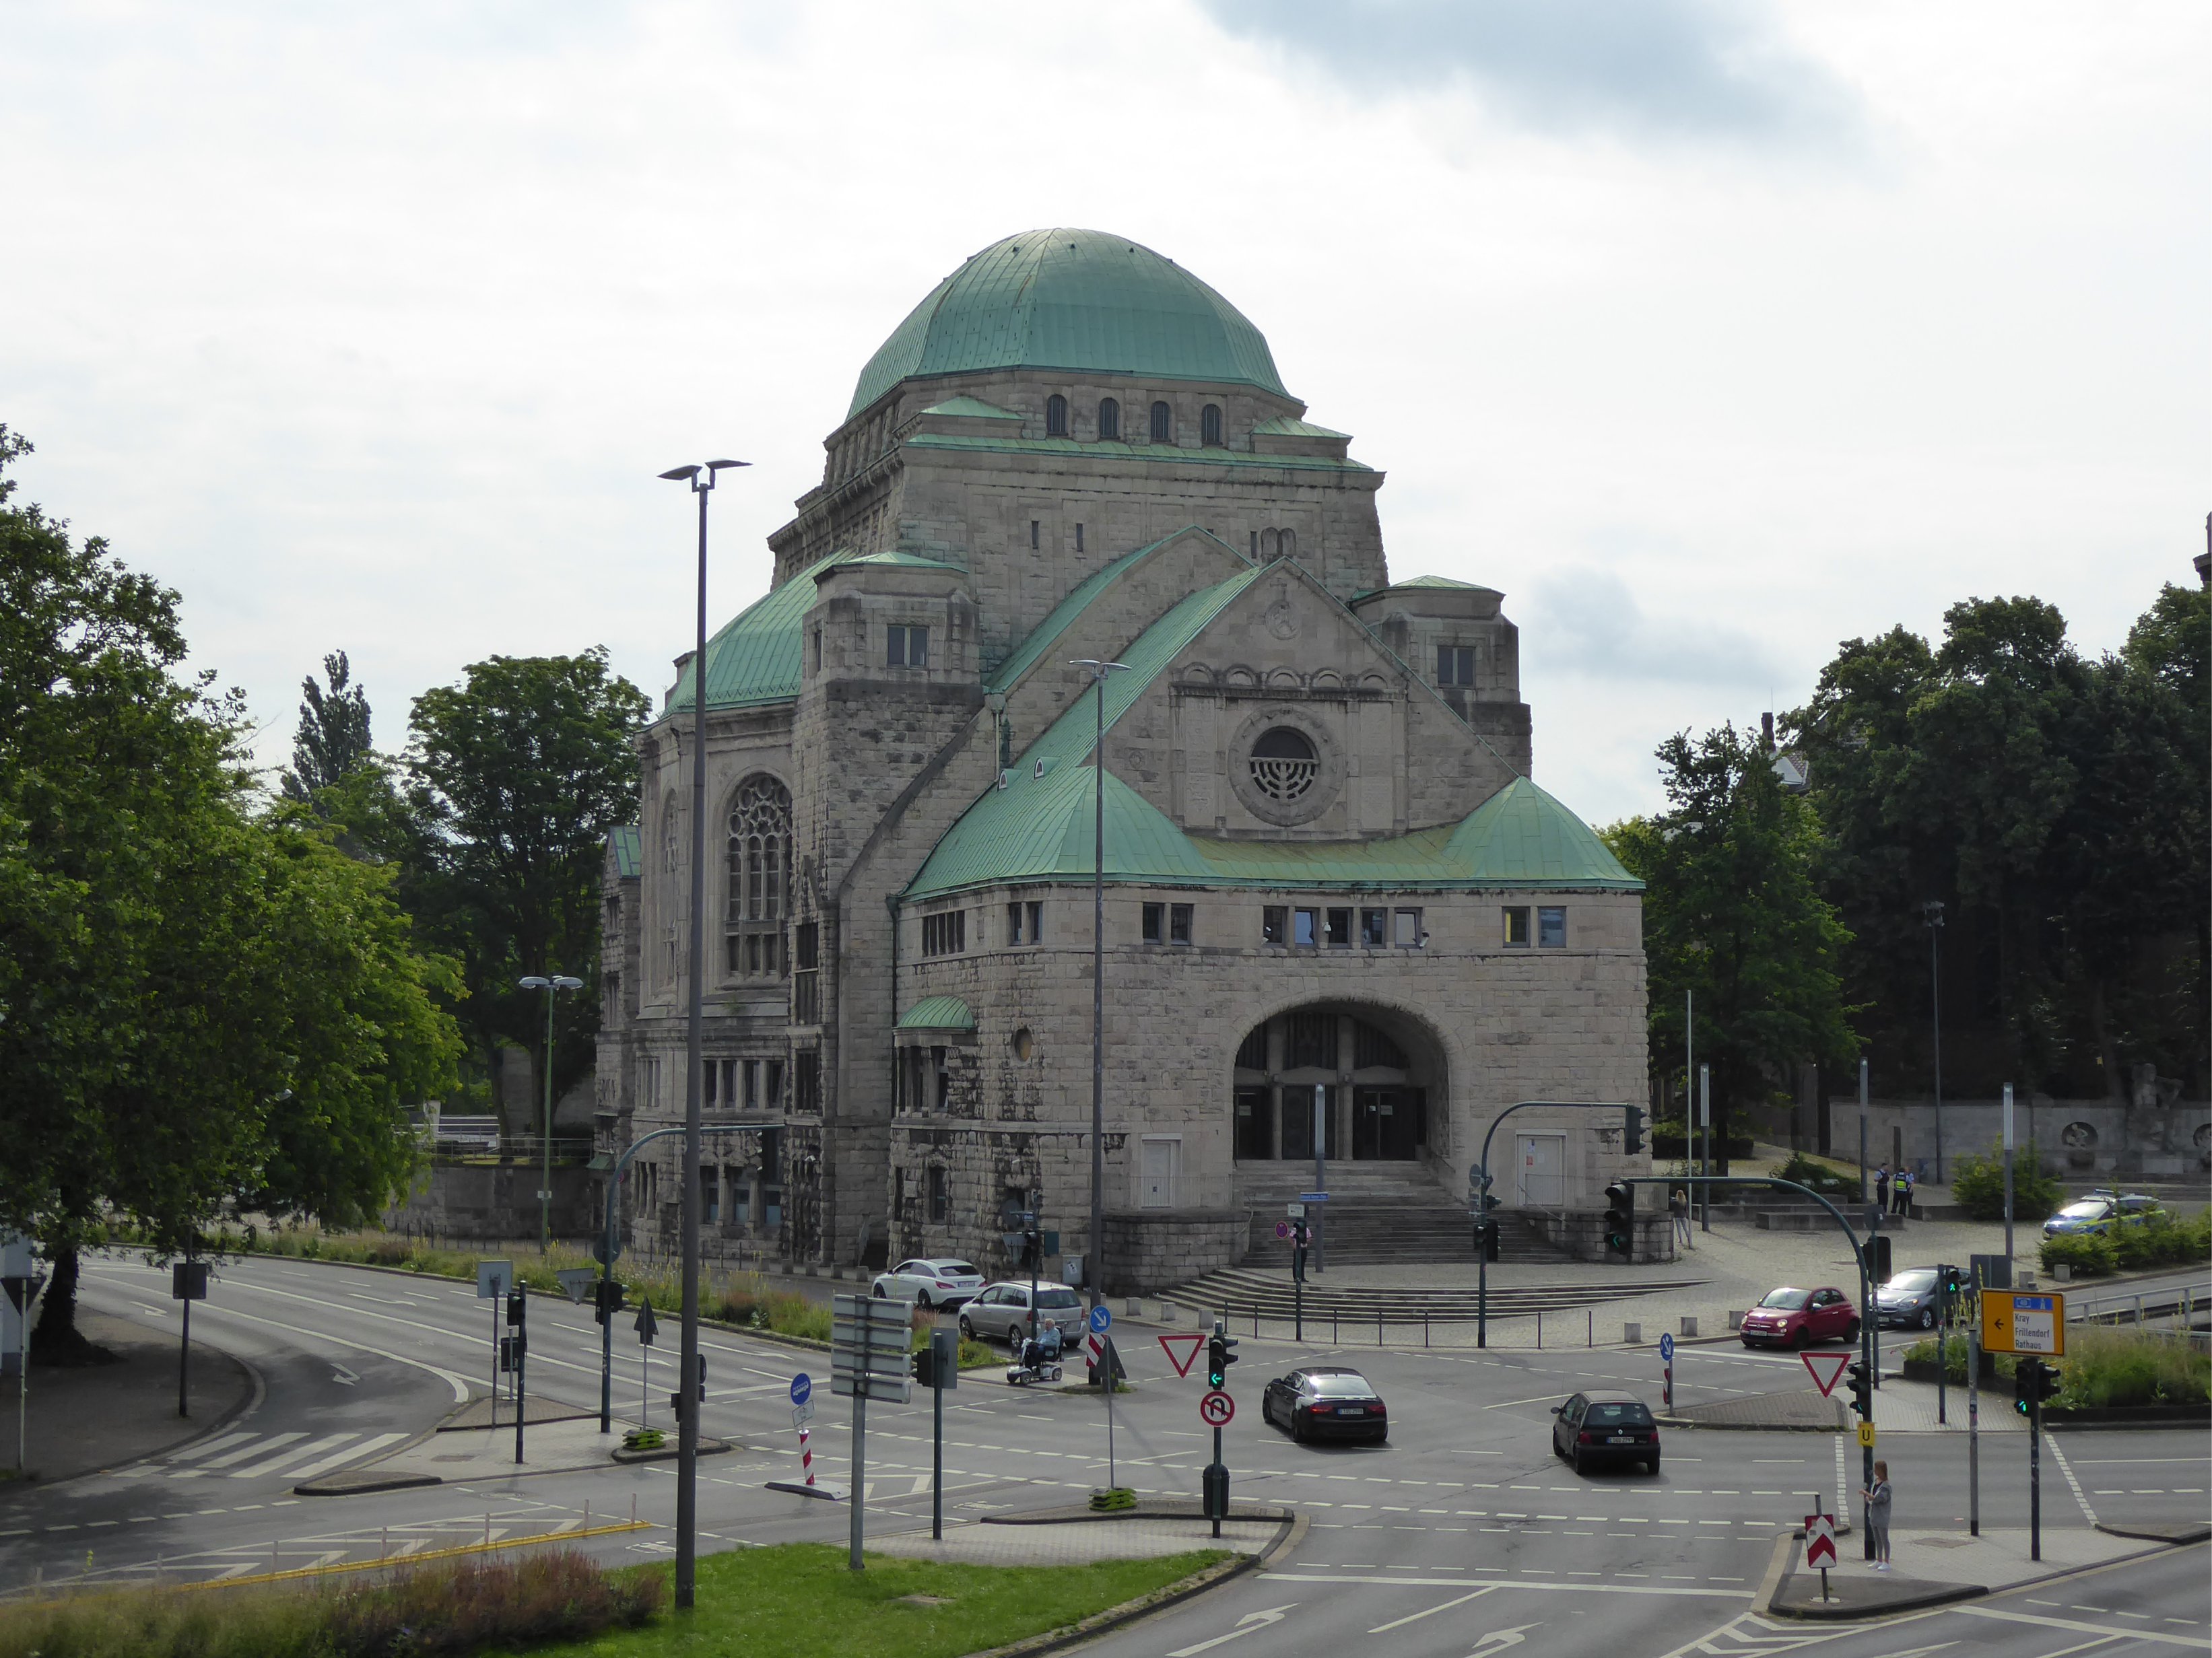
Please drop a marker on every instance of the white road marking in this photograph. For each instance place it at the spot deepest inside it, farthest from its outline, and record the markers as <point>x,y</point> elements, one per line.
<point>2059,1456</point>
<point>2195,1642</point>
<point>1245,1626</point>
<point>1415,1618</point>
<point>321,1447</point>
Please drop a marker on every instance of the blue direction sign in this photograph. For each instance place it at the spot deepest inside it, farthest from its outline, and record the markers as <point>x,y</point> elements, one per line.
<point>1101,1318</point>
<point>1666,1348</point>
<point>1313,1197</point>
<point>802,1385</point>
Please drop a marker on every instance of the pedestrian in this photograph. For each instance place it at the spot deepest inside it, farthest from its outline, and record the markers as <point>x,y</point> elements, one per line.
<point>1678,1205</point>
<point>1901,1185</point>
<point>1877,1498</point>
<point>1882,1188</point>
<point>1905,1198</point>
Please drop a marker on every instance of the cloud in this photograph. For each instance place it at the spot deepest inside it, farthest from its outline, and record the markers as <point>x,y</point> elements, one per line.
<point>1707,69</point>
<point>1585,623</point>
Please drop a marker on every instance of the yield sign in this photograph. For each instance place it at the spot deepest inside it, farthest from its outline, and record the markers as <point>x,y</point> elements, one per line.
<point>1830,1363</point>
<point>1187,1356</point>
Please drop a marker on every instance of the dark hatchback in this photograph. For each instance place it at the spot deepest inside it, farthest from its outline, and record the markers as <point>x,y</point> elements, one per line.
<point>1326,1403</point>
<point>1593,1428</point>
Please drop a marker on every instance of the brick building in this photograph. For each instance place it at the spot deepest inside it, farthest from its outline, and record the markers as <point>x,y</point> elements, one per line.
<point>1335,904</point>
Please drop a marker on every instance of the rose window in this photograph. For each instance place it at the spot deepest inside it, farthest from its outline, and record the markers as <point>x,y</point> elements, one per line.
<point>1283,764</point>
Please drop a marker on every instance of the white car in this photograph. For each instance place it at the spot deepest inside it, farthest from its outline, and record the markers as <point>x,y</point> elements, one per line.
<point>929,1283</point>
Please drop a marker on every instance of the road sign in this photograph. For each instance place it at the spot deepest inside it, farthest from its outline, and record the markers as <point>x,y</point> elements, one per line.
<point>801,1385</point>
<point>1833,1364</point>
<point>1188,1344</point>
<point>647,1325</point>
<point>1102,1318</point>
<point>2014,1321</point>
<point>1216,1410</point>
<point>870,1344</point>
<point>1094,1347</point>
<point>802,1414</point>
<point>1282,1231</point>
<point>1295,1211</point>
<point>1866,1434</point>
<point>577,1282</point>
<point>494,1278</point>
<point>1666,1348</point>
<point>1313,1197</point>
<point>188,1280</point>
<point>1820,1540</point>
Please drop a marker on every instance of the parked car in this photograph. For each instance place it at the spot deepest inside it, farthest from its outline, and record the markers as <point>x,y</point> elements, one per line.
<point>1001,1312</point>
<point>2100,1212</point>
<point>1591,1429</point>
<point>1326,1403</point>
<point>1797,1318</point>
<point>1911,1301</point>
<point>930,1283</point>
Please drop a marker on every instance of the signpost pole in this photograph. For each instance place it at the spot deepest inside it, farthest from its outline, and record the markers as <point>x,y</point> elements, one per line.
<point>1216,1458</point>
<point>2008,1169</point>
<point>1974,1423</point>
<point>1706,1128</point>
<point>184,1344</point>
<point>2035,1471</point>
<point>937,1458</point>
<point>1321,1179</point>
<point>860,1472</point>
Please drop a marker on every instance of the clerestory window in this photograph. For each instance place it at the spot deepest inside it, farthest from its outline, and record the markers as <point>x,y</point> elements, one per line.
<point>1109,421</point>
<point>1163,423</point>
<point>1055,416</point>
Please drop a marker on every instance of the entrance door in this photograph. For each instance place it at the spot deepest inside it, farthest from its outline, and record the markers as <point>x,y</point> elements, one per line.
<point>1539,1179</point>
<point>1162,1168</point>
<point>1388,1123</point>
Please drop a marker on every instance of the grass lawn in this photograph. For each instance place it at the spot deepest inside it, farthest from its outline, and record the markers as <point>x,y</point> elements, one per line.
<point>798,1600</point>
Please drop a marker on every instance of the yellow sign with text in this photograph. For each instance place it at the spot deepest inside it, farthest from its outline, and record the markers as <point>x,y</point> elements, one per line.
<point>1866,1434</point>
<point>2029,1325</point>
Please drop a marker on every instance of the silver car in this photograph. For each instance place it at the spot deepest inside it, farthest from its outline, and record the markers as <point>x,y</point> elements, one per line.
<point>1909,1300</point>
<point>1001,1313</point>
<point>929,1283</point>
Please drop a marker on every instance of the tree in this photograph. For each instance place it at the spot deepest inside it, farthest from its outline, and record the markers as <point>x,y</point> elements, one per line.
<point>516,775</point>
<point>1732,913</point>
<point>201,1007</point>
<point>333,735</point>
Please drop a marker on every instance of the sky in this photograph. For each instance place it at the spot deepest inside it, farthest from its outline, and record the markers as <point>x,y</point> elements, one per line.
<point>1713,333</point>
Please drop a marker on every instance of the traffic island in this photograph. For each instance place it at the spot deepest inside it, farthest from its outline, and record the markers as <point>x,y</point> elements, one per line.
<point>1805,1411</point>
<point>1935,1568</point>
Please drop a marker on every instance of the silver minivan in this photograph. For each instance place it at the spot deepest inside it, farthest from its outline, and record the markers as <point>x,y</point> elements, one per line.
<point>1001,1313</point>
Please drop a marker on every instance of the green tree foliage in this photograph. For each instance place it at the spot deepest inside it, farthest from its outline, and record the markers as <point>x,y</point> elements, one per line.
<point>2055,806</point>
<point>1732,911</point>
<point>1978,1185</point>
<point>515,776</point>
<point>202,1008</point>
<point>333,737</point>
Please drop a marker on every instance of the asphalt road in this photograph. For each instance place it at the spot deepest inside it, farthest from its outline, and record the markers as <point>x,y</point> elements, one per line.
<point>1462,1530</point>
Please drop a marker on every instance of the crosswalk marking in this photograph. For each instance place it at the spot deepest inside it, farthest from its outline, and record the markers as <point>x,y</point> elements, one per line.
<point>213,1445</point>
<point>297,1453</point>
<point>229,1457</point>
<point>352,1453</point>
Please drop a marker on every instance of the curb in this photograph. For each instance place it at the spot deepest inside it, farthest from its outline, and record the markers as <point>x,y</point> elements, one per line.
<point>2176,1535</point>
<point>1143,1511</point>
<point>669,1453</point>
<point>1837,1612</point>
<point>1114,1617</point>
<point>340,1486</point>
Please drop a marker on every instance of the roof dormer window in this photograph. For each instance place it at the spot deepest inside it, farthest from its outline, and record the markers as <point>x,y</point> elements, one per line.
<point>1109,421</point>
<point>1055,416</point>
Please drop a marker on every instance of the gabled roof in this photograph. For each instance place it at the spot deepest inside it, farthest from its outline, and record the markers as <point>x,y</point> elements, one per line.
<point>756,659</point>
<point>1040,637</point>
<point>621,841</point>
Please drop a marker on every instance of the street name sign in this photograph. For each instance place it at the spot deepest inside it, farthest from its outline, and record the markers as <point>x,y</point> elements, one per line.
<point>1182,1351</point>
<point>1831,1363</point>
<point>1215,1409</point>
<point>2015,1322</point>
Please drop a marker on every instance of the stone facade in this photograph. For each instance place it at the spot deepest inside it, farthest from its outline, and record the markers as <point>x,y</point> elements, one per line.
<point>1308,890</point>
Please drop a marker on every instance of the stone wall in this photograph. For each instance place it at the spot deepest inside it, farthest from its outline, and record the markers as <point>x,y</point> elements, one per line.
<point>2151,1140</point>
<point>1156,1250</point>
<point>481,1200</point>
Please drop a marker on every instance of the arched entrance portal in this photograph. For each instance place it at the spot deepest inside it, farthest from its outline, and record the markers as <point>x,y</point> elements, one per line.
<point>1365,1079</point>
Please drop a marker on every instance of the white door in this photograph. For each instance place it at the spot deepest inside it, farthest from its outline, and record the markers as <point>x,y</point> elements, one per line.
<point>1541,1181</point>
<point>1162,1168</point>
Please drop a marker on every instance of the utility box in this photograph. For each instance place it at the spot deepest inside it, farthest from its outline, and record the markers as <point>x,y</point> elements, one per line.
<point>1215,1487</point>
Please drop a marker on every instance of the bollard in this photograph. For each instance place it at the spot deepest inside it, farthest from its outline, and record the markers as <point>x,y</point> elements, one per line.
<point>1632,1335</point>
<point>1690,1324</point>
<point>1590,1334</point>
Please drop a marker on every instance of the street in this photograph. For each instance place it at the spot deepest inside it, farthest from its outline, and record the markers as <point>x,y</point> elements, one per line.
<point>1463,1528</point>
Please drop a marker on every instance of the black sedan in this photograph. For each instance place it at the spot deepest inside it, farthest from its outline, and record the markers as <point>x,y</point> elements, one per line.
<point>1591,1429</point>
<point>1326,1403</point>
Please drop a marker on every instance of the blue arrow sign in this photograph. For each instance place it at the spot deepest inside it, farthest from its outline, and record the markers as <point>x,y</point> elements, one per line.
<point>801,1386</point>
<point>1666,1348</point>
<point>1100,1319</point>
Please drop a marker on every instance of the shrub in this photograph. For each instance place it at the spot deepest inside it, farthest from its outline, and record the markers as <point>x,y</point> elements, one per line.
<point>2105,1368</point>
<point>1954,1358</point>
<point>418,1611</point>
<point>2088,1254</point>
<point>1978,1185</point>
<point>2161,1239</point>
<point>1807,1171</point>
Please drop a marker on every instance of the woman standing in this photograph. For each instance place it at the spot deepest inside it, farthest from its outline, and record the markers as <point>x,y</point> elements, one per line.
<point>1877,1498</point>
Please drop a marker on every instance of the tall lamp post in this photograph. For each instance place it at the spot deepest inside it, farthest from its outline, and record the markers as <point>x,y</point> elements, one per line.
<point>688,1377</point>
<point>552,987</point>
<point>1094,1259</point>
<point>1932,912</point>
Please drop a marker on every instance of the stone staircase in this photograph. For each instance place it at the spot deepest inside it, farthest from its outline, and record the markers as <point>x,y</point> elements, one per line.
<point>1247,1292</point>
<point>1378,1213</point>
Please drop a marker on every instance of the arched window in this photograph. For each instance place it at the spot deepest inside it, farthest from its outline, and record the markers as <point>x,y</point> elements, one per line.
<point>1289,544</point>
<point>1209,426</point>
<point>1055,416</point>
<point>1283,763</point>
<point>1267,544</point>
<point>1163,423</point>
<point>758,905</point>
<point>1109,421</point>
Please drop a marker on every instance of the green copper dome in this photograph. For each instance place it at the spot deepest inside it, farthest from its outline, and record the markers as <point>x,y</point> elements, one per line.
<point>1074,300</point>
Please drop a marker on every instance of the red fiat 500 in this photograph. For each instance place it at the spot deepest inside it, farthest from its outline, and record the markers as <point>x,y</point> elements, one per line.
<point>1798,1318</point>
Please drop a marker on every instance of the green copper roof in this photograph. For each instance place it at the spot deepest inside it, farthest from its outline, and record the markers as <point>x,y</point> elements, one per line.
<point>628,863</point>
<point>1040,639</point>
<point>1290,425</point>
<point>756,659</point>
<point>899,562</point>
<point>938,1013</point>
<point>1074,300</point>
<point>970,409</point>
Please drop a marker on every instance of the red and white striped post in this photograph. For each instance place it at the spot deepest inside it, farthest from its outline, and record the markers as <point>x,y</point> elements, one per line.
<point>805,1455</point>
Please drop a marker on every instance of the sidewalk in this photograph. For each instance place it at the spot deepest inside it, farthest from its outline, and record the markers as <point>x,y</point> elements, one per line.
<point>108,1415</point>
<point>567,1444</point>
<point>1077,1542</point>
<point>1932,1567</point>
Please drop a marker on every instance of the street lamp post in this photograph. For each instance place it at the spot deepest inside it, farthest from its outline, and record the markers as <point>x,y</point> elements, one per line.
<point>1094,1258</point>
<point>552,987</point>
<point>701,480</point>
<point>1932,912</point>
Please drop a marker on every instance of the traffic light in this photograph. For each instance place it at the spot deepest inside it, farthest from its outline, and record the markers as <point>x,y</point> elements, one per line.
<point>518,1309</point>
<point>1621,1220</point>
<point>1485,1239</point>
<point>2028,1386</point>
<point>1878,1259</point>
<point>606,1300</point>
<point>1862,1390</point>
<point>1301,1242</point>
<point>924,1368</point>
<point>699,1392</point>
<point>1632,1131</point>
<point>1220,1354</point>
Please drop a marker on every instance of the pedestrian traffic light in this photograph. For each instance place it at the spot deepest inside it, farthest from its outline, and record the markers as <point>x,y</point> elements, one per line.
<point>607,1300</point>
<point>925,1367</point>
<point>1220,1354</point>
<point>1862,1390</point>
<point>2027,1387</point>
<point>1621,1220</point>
<point>518,1308</point>
<point>699,1390</point>
<point>1631,1132</point>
